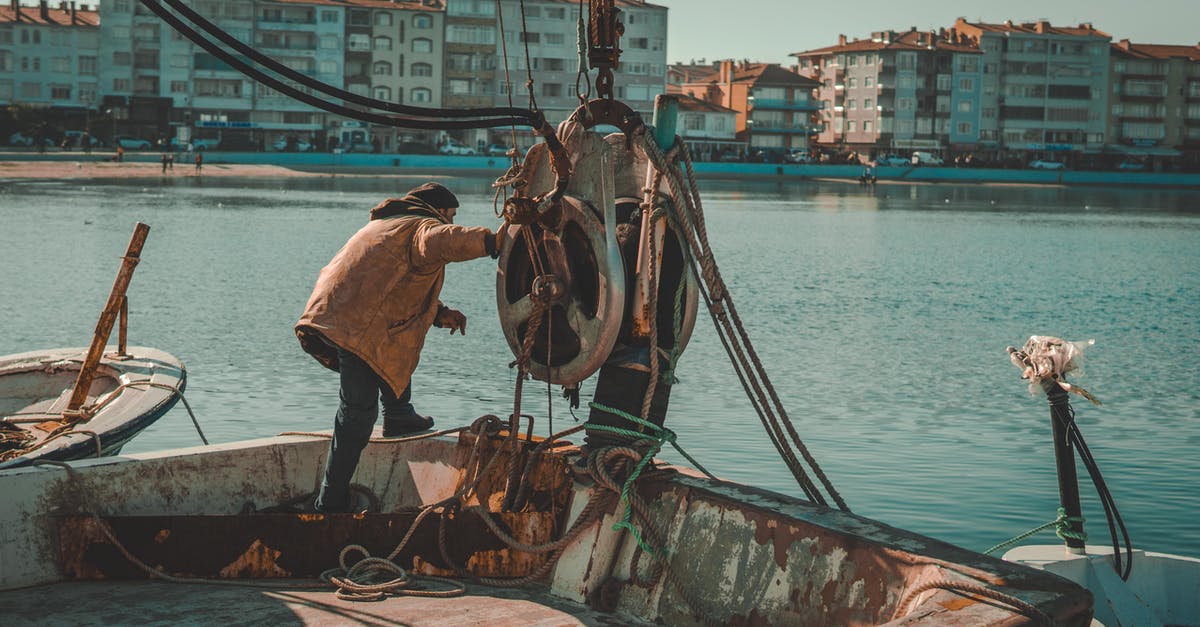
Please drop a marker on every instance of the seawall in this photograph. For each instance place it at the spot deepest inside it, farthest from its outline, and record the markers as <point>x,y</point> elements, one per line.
<point>492,166</point>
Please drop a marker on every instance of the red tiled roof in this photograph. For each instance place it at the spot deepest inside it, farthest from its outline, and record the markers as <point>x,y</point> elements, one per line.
<point>907,40</point>
<point>57,15</point>
<point>1157,51</point>
<point>1044,28</point>
<point>768,74</point>
<point>691,103</point>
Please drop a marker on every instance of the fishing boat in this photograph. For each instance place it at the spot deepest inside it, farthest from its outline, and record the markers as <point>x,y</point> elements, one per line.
<point>127,394</point>
<point>735,554</point>
<point>604,261</point>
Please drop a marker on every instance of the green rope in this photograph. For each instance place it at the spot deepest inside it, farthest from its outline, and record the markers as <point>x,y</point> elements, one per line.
<point>1062,528</point>
<point>661,435</point>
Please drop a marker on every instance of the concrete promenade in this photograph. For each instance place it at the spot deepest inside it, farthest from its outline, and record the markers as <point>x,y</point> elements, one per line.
<point>218,163</point>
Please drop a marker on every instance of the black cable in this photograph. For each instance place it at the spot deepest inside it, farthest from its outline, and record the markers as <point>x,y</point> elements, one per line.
<point>1106,500</point>
<point>282,87</point>
<point>312,83</point>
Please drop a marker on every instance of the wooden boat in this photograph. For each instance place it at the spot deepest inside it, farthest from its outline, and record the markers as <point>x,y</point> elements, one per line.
<point>126,395</point>
<point>733,554</point>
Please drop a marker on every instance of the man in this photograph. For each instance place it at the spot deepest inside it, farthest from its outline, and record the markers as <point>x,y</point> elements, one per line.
<point>369,313</point>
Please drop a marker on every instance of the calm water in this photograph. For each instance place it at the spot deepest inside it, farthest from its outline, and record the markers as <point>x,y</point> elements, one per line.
<point>882,316</point>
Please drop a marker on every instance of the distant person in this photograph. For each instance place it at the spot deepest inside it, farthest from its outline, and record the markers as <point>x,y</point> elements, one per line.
<point>368,316</point>
<point>120,153</point>
<point>87,143</point>
<point>164,163</point>
<point>199,162</point>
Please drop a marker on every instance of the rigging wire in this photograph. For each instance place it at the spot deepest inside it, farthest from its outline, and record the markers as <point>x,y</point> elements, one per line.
<point>436,122</point>
<point>528,66</point>
<point>507,78</point>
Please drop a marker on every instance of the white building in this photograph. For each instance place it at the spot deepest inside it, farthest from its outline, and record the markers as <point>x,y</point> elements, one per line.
<point>48,55</point>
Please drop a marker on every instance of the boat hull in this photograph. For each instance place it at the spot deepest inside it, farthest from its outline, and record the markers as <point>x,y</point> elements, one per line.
<point>737,555</point>
<point>129,393</point>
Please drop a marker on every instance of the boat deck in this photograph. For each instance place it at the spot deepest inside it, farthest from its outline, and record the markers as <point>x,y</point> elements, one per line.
<point>280,602</point>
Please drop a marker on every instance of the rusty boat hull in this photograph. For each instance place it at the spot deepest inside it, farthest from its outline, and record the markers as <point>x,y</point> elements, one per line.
<point>736,554</point>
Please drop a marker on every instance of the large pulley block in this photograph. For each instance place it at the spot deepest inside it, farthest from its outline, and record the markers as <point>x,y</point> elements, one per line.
<point>567,266</point>
<point>561,269</point>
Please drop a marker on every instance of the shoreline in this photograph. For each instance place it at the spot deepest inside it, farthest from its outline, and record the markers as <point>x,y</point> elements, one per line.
<point>147,166</point>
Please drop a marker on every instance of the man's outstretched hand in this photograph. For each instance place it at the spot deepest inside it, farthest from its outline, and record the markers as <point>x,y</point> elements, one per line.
<point>452,319</point>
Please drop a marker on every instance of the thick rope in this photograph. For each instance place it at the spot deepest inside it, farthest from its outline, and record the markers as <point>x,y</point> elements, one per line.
<point>1024,607</point>
<point>747,364</point>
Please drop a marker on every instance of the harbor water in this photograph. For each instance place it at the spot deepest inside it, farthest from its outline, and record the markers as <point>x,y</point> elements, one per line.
<point>882,315</point>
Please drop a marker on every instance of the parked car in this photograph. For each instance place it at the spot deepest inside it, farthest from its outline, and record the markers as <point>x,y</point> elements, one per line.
<point>196,144</point>
<point>452,147</point>
<point>798,155</point>
<point>893,161</point>
<point>926,158</point>
<point>1131,166</point>
<point>496,150</point>
<point>132,143</point>
<point>75,139</point>
<point>21,139</point>
<point>1047,165</point>
<point>292,144</point>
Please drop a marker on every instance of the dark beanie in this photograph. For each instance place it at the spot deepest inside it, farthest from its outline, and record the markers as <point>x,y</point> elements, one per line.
<point>435,195</point>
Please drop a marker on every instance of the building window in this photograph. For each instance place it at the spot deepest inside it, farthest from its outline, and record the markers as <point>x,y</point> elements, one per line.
<point>422,69</point>
<point>329,17</point>
<point>87,65</point>
<point>357,42</point>
<point>964,128</point>
<point>360,18</point>
<point>964,106</point>
<point>851,104</point>
<point>422,21</point>
<point>60,92</point>
<point>420,94</point>
<point>383,43</point>
<point>459,86</point>
<point>383,93</point>
<point>383,18</point>
<point>851,127</point>
<point>868,104</point>
<point>120,84</point>
<point>329,67</point>
<point>853,82</point>
<point>966,84</point>
<point>422,45</point>
<point>867,126</point>
<point>122,58</point>
<point>868,81</point>
<point>381,68</point>
<point>179,87</point>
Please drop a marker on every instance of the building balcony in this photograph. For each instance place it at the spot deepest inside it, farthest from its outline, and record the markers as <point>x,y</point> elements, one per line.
<point>802,129</point>
<point>1154,117</point>
<point>286,24</point>
<point>308,51</point>
<point>1191,121</point>
<point>768,103</point>
<point>1142,97</point>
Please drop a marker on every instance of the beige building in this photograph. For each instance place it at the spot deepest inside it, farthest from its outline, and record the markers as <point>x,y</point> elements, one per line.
<point>1154,116</point>
<point>471,60</point>
<point>48,55</point>
<point>773,105</point>
<point>1045,87</point>
<point>898,92</point>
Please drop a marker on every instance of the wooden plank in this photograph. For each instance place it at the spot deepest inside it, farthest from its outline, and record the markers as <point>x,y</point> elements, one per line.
<point>104,326</point>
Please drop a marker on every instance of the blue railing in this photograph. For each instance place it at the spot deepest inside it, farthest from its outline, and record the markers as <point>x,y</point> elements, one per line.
<point>799,105</point>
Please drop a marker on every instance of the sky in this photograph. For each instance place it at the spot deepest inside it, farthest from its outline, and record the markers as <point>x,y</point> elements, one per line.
<point>770,30</point>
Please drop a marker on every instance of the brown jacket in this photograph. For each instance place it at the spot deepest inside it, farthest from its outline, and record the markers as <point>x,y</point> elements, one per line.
<point>378,297</point>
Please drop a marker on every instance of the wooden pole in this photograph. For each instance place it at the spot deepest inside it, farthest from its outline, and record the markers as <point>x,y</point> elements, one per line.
<point>123,328</point>
<point>105,325</point>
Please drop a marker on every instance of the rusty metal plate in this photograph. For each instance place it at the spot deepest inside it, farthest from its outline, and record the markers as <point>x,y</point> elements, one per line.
<point>294,545</point>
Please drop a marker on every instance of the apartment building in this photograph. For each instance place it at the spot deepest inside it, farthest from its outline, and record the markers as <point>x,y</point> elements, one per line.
<point>48,55</point>
<point>551,33</point>
<point>1044,87</point>
<point>774,105</point>
<point>1155,102</point>
<point>897,92</point>
<point>471,60</point>
<point>709,129</point>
